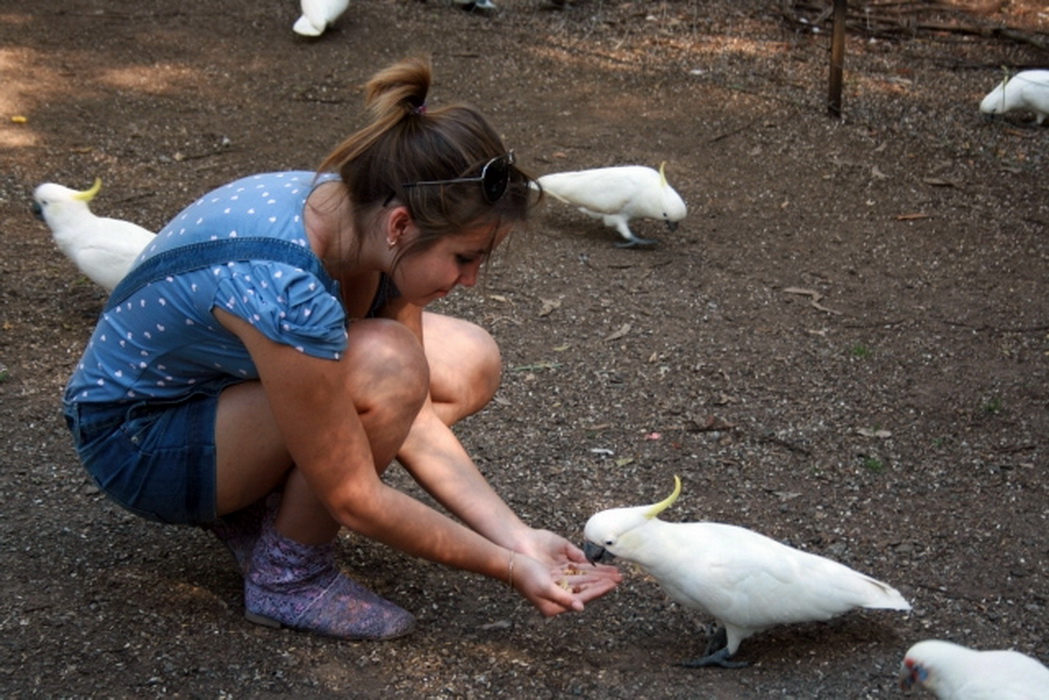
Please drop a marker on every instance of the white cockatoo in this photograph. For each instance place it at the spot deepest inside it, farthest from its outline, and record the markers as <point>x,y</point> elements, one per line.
<point>953,672</point>
<point>618,194</point>
<point>746,581</point>
<point>102,248</point>
<point>1027,89</point>
<point>318,15</point>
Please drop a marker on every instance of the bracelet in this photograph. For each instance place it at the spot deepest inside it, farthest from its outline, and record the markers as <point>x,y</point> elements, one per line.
<point>510,581</point>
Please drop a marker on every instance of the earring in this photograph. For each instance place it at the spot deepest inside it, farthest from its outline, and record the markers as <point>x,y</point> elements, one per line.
<point>390,242</point>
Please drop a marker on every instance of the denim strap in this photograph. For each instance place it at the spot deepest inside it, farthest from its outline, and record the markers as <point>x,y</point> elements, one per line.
<point>217,252</point>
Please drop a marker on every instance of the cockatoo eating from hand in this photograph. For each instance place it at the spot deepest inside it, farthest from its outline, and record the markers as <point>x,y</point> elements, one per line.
<point>618,194</point>
<point>1027,89</point>
<point>102,248</point>
<point>953,672</point>
<point>746,581</point>
<point>318,15</point>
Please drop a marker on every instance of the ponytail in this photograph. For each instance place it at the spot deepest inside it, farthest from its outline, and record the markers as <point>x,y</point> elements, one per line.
<point>408,142</point>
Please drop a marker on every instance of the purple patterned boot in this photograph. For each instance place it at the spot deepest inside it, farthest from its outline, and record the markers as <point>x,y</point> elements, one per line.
<point>240,530</point>
<point>294,585</point>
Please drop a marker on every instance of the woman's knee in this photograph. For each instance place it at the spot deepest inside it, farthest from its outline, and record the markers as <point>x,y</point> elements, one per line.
<point>487,366</point>
<point>386,365</point>
<point>465,367</point>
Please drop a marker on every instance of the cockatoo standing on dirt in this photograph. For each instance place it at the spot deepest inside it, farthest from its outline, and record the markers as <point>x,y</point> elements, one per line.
<point>1027,89</point>
<point>953,672</point>
<point>102,248</point>
<point>618,194</point>
<point>746,581</point>
<point>318,15</point>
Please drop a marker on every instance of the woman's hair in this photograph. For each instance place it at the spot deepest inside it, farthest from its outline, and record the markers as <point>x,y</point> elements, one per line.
<point>407,142</point>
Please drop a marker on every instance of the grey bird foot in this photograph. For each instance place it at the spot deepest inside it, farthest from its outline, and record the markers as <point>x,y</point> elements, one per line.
<point>718,658</point>
<point>635,241</point>
<point>716,653</point>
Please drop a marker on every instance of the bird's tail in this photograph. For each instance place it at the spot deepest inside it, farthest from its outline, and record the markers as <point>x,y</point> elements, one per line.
<point>882,596</point>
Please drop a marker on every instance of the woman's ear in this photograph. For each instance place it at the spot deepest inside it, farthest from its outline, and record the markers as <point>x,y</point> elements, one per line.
<point>398,225</point>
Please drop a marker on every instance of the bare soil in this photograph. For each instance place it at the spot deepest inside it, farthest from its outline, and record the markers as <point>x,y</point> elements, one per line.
<point>845,346</point>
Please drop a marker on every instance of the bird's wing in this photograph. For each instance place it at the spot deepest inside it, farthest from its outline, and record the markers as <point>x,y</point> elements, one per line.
<point>106,248</point>
<point>107,265</point>
<point>751,581</point>
<point>125,231</point>
<point>602,190</point>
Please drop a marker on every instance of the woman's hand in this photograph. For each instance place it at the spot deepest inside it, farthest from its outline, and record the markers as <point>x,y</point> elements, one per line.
<point>555,576</point>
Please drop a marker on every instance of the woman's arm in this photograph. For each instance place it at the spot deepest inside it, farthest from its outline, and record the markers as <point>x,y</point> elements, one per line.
<point>322,409</point>
<point>464,359</point>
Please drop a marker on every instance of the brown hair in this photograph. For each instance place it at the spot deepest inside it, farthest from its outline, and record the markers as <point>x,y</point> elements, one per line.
<point>408,142</point>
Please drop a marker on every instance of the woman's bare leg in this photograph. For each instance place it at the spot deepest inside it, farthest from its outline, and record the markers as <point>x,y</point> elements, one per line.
<point>465,366</point>
<point>384,366</point>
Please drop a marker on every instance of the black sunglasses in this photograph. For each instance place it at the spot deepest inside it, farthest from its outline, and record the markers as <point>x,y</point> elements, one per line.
<point>494,178</point>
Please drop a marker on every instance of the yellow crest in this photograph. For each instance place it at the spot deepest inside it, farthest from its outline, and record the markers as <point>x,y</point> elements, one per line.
<point>658,508</point>
<point>88,195</point>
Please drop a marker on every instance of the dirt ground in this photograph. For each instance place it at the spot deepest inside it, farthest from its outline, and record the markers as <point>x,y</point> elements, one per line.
<point>845,346</point>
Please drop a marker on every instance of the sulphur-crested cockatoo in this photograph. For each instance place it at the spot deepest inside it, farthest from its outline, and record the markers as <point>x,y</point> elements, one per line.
<point>102,248</point>
<point>618,194</point>
<point>746,581</point>
<point>1027,89</point>
<point>953,672</point>
<point>318,15</point>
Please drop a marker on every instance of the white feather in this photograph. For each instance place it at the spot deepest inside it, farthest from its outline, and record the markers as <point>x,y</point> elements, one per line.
<point>953,672</point>
<point>102,248</point>
<point>1027,89</point>
<point>746,581</point>
<point>618,194</point>
<point>318,15</point>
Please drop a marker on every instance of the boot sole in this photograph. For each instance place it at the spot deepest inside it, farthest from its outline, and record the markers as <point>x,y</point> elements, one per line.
<point>262,620</point>
<point>275,624</point>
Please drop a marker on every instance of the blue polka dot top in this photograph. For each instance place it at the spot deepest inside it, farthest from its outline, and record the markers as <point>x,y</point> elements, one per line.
<point>163,342</point>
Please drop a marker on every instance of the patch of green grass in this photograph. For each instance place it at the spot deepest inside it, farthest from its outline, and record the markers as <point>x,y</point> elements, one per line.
<point>993,405</point>
<point>873,464</point>
<point>860,351</point>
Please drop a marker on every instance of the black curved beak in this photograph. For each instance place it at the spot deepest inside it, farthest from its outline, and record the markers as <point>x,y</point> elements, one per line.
<point>37,211</point>
<point>596,554</point>
<point>672,225</point>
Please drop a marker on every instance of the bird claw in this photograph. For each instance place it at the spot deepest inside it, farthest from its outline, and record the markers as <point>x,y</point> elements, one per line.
<point>635,242</point>
<point>719,658</point>
<point>716,653</point>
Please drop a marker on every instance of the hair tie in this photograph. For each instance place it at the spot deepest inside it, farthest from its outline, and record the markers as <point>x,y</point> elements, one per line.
<point>421,109</point>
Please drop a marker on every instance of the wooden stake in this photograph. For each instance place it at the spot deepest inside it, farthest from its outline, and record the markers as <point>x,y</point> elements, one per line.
<point>837,59</point>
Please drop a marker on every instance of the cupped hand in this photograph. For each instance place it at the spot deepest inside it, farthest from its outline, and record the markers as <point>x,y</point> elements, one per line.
<point>556,577</point>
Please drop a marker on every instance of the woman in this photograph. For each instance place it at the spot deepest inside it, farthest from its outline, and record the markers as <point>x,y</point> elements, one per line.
<point>269,357</point>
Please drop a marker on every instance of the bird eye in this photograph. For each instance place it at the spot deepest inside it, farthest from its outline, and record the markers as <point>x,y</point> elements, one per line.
<point>610,542</point>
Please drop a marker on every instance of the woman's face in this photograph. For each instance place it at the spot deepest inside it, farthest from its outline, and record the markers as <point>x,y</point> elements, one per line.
<point>453,260</point>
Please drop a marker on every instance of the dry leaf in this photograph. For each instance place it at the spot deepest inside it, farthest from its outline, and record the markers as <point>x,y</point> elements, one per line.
<point>623,330</point>
<point>548,306</point>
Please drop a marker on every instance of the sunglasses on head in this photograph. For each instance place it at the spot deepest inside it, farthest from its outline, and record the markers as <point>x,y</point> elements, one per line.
<point>494,178</point>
